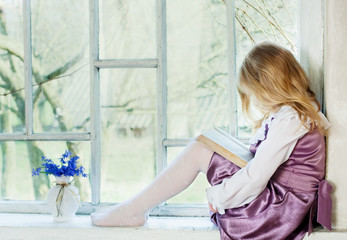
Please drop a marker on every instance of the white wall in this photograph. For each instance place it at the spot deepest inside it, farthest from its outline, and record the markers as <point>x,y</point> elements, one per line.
<point>325,61</point>
<point>336,105</point>
<point>311,43</point>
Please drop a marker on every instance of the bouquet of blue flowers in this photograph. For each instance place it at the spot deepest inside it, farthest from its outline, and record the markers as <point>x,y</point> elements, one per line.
<point>68,166</point>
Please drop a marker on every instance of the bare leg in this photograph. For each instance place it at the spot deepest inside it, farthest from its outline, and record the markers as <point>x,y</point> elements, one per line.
<point>172,180</point>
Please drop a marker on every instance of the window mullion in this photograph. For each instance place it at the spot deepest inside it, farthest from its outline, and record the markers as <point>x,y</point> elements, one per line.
<point>161,86</point>
<point>64,136</point>
<point>127,63</point>
<point>28,67</point>
<point>230,11</point>
<point>176,142</point>
<point>94,100</point>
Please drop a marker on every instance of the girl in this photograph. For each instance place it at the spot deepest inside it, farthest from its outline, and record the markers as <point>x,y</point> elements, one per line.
<point>279,192</point>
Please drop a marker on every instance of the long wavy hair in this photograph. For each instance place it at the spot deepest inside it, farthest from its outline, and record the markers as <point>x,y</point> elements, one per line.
<point>271,76</point>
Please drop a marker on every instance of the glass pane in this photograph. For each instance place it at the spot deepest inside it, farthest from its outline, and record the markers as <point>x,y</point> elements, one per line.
<point>197,67</point>
<point>258,21</point>
<point>195,193</point>
<point>128,112</point>
<point>127,29</point>
<point>60,41</point>
<point>17,160</point>
<point>12,105</point>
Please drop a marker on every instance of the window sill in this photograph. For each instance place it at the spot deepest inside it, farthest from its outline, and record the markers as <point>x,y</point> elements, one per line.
<point>42,227</point>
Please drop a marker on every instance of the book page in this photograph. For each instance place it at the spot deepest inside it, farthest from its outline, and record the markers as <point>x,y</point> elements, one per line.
<point>232,138</point>
<point>231,144</point>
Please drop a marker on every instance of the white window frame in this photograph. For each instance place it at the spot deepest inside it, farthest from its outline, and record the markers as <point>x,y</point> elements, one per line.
<point>94,136</point>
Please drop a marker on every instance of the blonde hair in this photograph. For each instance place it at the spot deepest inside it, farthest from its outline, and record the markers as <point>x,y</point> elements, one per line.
<point>274,77</point>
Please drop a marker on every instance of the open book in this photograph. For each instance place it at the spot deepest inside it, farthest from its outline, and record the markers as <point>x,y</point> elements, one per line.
<point>226,145</point>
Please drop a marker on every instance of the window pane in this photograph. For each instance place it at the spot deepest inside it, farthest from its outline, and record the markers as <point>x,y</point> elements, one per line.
<point>258,21</point>
<point>60,41</point>
<point>12,105</point>
<point>195,193</point>
<point>197,67</point>
<point>128,112</point>
<point>127,29</point>
<point>17,160</point>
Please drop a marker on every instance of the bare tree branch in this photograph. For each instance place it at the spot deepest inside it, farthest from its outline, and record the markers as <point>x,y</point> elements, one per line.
<point>244,27</point>
<point>254,22</point>
<point>275,20</point>
<point>48,79</point>
<point>10,45</point>
<point>6,77</point>
<point>279,29</point>
<point>290,17</point>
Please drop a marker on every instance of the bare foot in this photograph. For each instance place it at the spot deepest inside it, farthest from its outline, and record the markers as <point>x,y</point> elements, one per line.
<point>119,216</point>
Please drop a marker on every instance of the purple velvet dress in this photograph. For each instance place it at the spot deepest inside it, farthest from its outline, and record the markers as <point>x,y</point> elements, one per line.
<point>296,195</point>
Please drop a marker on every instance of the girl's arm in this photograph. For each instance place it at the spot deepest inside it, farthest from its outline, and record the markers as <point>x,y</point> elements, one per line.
<point>246,184</point>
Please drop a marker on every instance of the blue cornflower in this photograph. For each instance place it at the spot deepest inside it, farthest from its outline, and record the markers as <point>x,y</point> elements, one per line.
<point>36,172</point>
<point>68,166</point>
<point>80,171</point>
<point>46,160</point>
<point>65,156</point>
<point>73,162</point>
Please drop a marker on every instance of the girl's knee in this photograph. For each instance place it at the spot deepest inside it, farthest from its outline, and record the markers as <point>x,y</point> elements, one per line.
<point>200,147</point>
<point>200,153</point>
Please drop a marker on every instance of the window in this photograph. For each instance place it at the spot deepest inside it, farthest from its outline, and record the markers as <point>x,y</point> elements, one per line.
<point>45,92</point>
<point>124,85</point>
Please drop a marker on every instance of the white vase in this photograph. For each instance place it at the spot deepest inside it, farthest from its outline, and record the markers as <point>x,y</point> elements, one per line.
<point>64,206</point>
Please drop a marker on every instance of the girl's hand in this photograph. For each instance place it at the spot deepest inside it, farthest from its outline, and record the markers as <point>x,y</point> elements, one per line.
<point>211,208</point>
